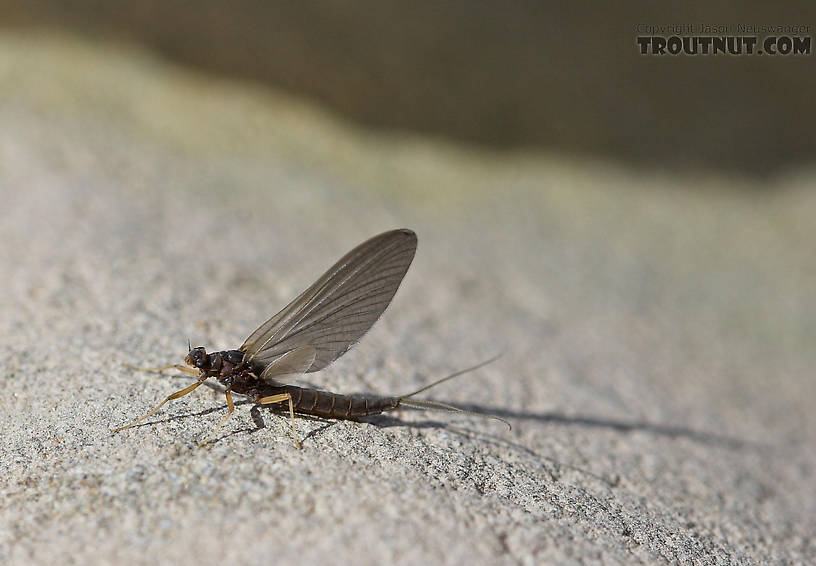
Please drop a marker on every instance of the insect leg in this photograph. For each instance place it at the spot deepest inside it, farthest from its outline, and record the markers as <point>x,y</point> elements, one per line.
<point>279,399</point>
<point>175,395</point>
<point>230,409</point>
<point>185,369</point>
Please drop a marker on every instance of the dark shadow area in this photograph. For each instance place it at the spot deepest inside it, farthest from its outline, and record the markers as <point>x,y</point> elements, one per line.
<point>566,77</point>
<point>257,419</point>
<point>261,425</point>
<point>205,412</point>
<point>584,421</point>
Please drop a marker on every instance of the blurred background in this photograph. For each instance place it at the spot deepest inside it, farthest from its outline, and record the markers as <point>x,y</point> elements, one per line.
<point>519,75</point>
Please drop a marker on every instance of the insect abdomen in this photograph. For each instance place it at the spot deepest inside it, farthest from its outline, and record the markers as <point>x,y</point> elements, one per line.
<point>336,406</point>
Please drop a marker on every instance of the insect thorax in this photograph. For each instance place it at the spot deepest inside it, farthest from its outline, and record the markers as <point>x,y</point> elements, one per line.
<point>227,366</point>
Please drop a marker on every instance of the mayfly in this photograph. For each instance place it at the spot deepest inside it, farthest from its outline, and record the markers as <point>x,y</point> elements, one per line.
<point>312,331</point>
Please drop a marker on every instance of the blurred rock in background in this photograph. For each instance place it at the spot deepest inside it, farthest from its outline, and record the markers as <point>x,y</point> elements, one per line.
<point>507,75</point>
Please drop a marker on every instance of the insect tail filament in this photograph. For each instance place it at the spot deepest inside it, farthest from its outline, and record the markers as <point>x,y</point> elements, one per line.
<point>407,401</point>
<point>451,376</point>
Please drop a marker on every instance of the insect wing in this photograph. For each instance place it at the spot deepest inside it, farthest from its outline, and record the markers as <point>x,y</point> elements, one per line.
<point>335,312</point>
<point>292,363</point>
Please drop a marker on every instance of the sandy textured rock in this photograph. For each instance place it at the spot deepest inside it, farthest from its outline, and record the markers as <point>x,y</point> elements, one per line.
<point>658,335</point>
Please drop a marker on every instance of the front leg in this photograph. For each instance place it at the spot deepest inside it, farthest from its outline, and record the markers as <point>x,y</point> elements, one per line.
<point>181,368</point>
<point>230,409</point>
<point>175,395</point>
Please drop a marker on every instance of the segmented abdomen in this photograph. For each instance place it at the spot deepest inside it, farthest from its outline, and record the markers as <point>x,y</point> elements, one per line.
<point>336,406</point>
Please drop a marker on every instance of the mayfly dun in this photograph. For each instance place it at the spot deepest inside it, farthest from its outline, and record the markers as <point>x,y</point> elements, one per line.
<point>312,331</point>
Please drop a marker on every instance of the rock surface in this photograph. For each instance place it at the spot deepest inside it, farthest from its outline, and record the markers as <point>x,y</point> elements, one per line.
<point>658,338</point>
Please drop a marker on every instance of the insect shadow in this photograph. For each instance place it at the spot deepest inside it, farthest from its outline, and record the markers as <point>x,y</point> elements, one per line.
<point>260,424</point>
<point>623,426</point>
